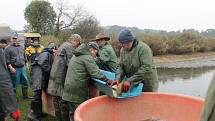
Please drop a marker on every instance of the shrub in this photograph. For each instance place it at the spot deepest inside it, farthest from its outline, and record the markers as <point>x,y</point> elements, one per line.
<point>45,40</point>
<point>64,35</point>
<point>158,44</point>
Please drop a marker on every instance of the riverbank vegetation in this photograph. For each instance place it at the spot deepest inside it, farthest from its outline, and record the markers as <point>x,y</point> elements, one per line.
<point>59,21</point>
<point>180,42</point>
<point>187,41</point>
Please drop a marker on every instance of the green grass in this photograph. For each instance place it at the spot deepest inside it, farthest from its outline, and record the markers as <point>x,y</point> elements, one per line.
<point>24,105</point>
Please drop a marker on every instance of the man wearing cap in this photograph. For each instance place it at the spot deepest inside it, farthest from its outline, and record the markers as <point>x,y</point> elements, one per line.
<point>81,69</point>
<point>17,63</point>
<point>58,74</point>
<point>3,43</point>
<point>135,63</point>
<point>106,59</point>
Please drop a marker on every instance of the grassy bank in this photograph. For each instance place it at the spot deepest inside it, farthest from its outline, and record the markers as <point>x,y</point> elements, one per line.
<point>185,57</point>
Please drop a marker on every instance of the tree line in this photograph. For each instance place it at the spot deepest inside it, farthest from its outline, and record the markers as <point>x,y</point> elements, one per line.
<point>179,42</point>
<point>56,23</point>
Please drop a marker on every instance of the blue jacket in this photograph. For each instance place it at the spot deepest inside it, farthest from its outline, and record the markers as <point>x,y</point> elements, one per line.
<point>40,70</point>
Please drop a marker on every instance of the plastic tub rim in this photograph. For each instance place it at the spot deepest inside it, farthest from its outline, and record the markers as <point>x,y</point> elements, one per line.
<point>77,115</point>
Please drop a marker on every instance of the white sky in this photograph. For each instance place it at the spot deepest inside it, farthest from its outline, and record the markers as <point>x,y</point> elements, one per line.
<point>145,14</point>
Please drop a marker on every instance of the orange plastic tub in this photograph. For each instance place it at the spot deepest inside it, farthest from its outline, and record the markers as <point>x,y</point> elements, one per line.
<point>165,106</point>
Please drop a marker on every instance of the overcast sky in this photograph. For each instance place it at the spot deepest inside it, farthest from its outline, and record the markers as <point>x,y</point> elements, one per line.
<point>145,14</point>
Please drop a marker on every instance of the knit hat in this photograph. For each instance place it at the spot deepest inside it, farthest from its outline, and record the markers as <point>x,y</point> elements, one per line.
<point>76,36</point>
<point>125,36</point>
<point>93,45</point>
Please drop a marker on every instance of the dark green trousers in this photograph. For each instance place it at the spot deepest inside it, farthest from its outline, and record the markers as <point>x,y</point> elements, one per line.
<point>61,109</point>
<point>72,108</point>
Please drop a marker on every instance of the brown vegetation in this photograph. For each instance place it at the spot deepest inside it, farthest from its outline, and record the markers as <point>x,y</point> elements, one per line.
<point>173,43</point>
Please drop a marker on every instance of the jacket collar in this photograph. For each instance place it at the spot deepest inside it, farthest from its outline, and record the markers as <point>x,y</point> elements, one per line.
<point>106,43</point>
<point>16,44</point>
<point>135,43</point>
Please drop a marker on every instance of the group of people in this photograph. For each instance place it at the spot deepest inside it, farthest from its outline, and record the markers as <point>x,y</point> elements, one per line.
<point>66,73</point>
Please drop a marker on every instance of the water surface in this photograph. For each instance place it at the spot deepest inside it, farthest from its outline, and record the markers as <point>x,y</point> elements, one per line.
<point>189,81</point>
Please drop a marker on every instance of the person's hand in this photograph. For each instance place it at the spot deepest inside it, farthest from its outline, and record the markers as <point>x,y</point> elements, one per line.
<point>115,82</point>
<point>16,115</point>
<point>112,82</point>
<point>109,82</point>
<point>126,86</point>
<point>12,70</point>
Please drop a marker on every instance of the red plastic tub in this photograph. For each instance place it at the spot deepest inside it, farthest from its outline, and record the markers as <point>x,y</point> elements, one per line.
<point>165,106</point>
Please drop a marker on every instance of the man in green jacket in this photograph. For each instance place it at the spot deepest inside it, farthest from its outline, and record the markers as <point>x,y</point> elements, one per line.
<point>58,75</point>
<point>106,59</point>
<point>81,69</point>
<point>136,63</point>
<point>208,113</point>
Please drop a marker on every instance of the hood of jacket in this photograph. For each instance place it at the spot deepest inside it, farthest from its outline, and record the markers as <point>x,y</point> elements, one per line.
<point>135,43</point>
<point>83,49</point>
<point>49,50</point>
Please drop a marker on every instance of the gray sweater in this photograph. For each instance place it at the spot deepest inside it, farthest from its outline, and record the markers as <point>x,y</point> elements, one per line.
<point>15,55</point>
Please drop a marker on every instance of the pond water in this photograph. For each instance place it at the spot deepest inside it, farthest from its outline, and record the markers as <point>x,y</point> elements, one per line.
<point>189,81</point>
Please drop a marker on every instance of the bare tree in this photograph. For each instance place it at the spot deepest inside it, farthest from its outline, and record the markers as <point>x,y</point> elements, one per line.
<point>68,15</point>
<point>88,28</point>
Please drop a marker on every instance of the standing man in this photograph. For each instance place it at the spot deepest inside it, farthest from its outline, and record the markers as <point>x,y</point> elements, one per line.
<point>17,63</point>
<point>106,59</point>
<point>40,73</point>
<point>8,103</point>
<point>81,69</point>
<point>136,63</point>
<point>3,43</point>
<point>58,74</point>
